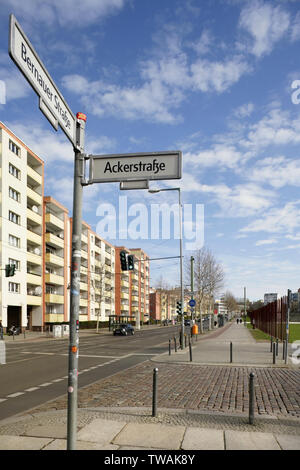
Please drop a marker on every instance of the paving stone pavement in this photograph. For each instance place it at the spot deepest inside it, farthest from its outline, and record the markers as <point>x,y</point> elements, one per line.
<point>193,398</point>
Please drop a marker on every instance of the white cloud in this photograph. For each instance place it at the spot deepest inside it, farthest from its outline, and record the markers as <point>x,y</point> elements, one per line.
<point>220,156</point>
<point>217,76</point>
<point>65,12</point>
<point>277,220</point>
<point>271,241</point>
<point>244,111</point>
<point>295,28</point>
<point>265,23</point>
<point>276,171</point>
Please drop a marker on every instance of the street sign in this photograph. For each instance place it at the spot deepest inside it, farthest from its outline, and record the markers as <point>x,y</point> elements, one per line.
<point>135,166</point>
<point>192,303</point>
<point>51,102</point>
<point>134,185</point>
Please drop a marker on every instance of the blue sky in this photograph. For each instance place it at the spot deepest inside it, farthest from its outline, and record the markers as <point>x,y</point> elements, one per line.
<point>210,78</point>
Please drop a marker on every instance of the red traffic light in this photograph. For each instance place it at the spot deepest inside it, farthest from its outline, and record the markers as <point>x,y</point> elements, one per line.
<point>81,116</point>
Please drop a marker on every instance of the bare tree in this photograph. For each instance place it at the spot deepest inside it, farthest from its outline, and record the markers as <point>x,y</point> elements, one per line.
<point>208,278</point>
<point>230,302</point>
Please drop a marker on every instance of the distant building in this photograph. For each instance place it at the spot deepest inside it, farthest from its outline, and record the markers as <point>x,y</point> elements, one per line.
<point>268,298</point>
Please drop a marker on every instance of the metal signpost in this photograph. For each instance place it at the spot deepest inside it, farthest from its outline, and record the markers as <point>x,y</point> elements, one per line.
<point>54,107</point>
<point>133,171</point>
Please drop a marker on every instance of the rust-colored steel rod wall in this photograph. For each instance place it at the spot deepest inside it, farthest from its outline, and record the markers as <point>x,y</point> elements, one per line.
<point>272,318</point>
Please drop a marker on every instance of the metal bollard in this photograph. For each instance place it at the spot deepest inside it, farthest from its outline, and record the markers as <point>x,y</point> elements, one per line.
<point>274,353</point>
<point>154,395</point>
<point>175,344</point>
<point>13,335</point>
<point>169,347</point>
<point>283,349</point>
<point>191,355</point>
<point>230,352</point>
<point>276,346</point>
<point>185,340</point>
<point>24,334</point>
<point>271,344</point>
<point>251,398</point>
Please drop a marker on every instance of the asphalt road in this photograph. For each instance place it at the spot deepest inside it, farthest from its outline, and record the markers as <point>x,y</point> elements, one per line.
<point>37,371</point>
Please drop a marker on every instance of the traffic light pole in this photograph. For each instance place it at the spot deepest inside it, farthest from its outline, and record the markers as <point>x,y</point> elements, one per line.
<point>181,270</point>
<point>75,287</point>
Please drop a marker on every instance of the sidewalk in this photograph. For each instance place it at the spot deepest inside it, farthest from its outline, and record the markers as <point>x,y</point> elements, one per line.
<point>201,406</point>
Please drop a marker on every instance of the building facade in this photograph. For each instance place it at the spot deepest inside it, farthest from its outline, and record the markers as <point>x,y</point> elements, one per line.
<point>21,232</point>
<point>36,236</point>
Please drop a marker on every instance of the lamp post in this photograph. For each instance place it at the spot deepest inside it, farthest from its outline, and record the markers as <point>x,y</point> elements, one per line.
<point>153,191</point>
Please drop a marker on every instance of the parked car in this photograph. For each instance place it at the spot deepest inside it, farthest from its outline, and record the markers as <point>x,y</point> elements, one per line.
<point>124,329</point>
<point>187,322</point>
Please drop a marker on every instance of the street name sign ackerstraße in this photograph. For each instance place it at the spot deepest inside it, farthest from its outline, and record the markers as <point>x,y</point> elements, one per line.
<point>52,103</point>
<point>135,167</point>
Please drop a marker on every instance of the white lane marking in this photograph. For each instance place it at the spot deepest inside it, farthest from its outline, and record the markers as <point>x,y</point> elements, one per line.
<point>13,395</point>
<point>2,399</point>
<point>39,353</point>
<point>45,384</point>
<point>57,380</point>
<point>32,389</point>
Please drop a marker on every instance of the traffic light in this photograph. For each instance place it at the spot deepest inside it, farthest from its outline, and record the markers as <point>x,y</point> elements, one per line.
<point>123,260</point>
<point>179,308</point>
<point>130,262</point>
<point>10,270</point>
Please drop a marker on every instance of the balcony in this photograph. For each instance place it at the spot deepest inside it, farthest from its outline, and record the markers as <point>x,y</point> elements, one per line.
<point>54,240</point>
<point>54,299</point>
<point>55,260</point>
<point>34,300</point>
<point>54,279</point>
<point>124,295</point>
<point>135,298</point>
<point>34,279</point>
<point>34,237</point>
<point>34,259</point>
<point>34,197</point>
<point>34,217</point>
<point>84,254</point>
<point>83,286</point>
<point>124,284</point>
<point>84,239</point>
<point>97,249</point>
<point>135,309</point>
<point>34,175</point>
<point>55,221</point>
<point>125,307</point>
<point>83,303</point>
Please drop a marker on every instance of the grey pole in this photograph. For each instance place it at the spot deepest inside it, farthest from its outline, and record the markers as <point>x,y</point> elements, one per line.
<point>181,269</point>
<point>251,398</point>
<point>230,352</point>
<point>192,285</point>
<point>154,394</point>
<point>244,306</point>
<point>75,287</point>
<point>287,326</point>
<point>181,256</point>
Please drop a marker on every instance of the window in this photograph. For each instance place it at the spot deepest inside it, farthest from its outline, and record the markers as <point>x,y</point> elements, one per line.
<point>14,171</point>
<point>13,194</point>
<point>14,148</point>
<point>13,217</point>
<point>14,287</point>
<point>14,241</point>
<point>15,262</point>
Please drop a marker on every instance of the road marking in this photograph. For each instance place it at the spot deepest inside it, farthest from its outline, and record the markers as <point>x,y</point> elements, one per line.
<point>45,384</point>
<point>13,395</point>
<point>2,399</point>
<point>57,380</point>
<point>32,389</point>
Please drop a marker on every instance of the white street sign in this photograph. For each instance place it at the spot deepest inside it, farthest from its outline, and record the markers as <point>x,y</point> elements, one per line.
<point>135,167</point>
<point>51,102</point>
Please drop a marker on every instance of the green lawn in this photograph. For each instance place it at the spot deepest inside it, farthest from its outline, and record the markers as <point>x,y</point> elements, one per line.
<point>259,335</point>
<point>294,333</point>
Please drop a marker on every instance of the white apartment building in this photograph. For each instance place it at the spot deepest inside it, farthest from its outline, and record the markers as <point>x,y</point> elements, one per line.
<point>21,226</point>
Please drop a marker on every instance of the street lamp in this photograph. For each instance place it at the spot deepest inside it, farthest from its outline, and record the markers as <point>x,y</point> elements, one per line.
<point>153,191</point>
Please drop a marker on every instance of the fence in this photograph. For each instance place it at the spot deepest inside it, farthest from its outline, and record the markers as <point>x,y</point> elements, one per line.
<point>271,318</point>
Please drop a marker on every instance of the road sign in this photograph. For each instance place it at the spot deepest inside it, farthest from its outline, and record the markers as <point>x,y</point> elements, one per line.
<point>135,166</point>
<point>192,303</point>
<point>51,102</point>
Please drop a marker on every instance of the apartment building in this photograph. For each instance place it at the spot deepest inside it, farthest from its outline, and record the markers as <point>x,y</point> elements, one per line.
<point>57,261</point>
<point>21,232</point>
<point>132,287</point>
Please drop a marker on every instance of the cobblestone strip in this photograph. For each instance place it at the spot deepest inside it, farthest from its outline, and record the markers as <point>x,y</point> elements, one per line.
<point>195,387</point>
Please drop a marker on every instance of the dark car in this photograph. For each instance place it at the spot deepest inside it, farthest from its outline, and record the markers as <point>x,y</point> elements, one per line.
<point>124,329</point>
<point>187,322</point>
